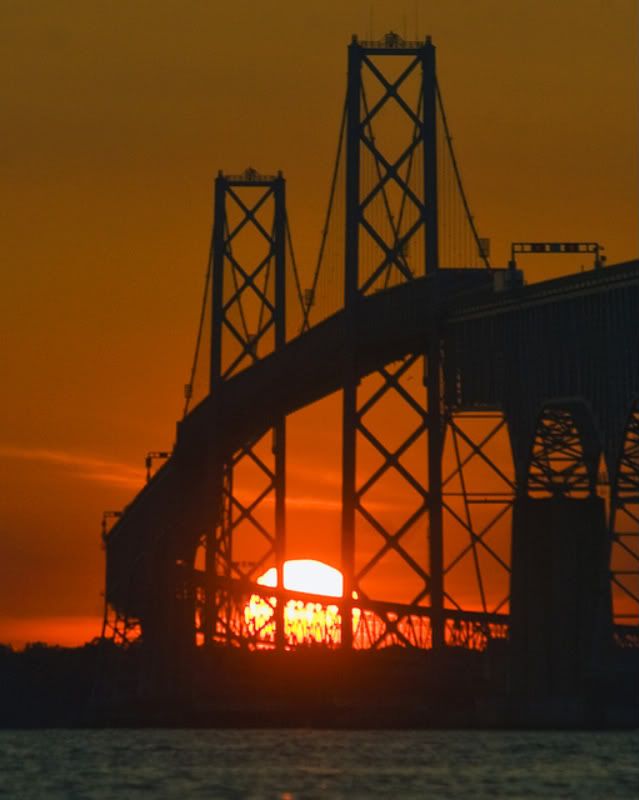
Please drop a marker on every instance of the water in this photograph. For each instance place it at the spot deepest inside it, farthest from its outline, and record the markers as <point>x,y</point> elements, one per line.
<point>293,764</point>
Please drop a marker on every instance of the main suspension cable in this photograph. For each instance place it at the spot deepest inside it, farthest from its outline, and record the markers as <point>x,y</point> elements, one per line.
<point>200,328</point>
<point>307,306</point>
<point>449,141</point>
<point>296,274</point>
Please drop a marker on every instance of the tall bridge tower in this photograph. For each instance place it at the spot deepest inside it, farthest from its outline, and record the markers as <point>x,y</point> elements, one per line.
<point>389,216</point>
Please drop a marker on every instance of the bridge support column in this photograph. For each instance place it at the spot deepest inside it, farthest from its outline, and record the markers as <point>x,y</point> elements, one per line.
<point>279,487</point>
<point>351,293</point>
<point>555,594</point>
<point>435,517</point>
<point>349,497</point>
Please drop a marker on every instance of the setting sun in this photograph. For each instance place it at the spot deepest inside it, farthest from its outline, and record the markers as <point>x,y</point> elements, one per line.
<point>304,622</point>
<point>307,575</point>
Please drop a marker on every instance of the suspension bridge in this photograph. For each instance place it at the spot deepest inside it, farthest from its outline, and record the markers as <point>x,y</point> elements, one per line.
<point>514,434</point>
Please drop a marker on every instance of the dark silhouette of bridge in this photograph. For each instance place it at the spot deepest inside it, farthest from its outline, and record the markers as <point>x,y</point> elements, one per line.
<point>402,286</point>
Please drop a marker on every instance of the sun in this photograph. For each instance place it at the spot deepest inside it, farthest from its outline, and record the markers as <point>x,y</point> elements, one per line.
<point>304,622</point>
<point>307,575</point>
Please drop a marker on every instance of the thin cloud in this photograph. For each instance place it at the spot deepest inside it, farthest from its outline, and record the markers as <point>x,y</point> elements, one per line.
<point>325,477</point>
<point>114,473</point>
<point>98,470</point>
<point>313,503</point>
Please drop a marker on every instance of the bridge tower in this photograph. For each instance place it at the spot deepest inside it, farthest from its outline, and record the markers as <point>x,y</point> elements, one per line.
<point>391,237</point>
<point>248,322</point>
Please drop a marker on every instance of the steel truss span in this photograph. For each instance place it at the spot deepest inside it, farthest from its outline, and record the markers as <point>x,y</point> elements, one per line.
<point>512,404</point>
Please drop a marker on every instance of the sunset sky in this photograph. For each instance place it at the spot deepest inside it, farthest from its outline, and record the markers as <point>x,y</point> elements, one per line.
<point>115,119</point>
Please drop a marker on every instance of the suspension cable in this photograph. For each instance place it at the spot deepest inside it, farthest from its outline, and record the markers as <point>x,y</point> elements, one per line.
<point>200,328</point>
<point>307,307</point>
<point>449,140</point>
<point>296,274</point>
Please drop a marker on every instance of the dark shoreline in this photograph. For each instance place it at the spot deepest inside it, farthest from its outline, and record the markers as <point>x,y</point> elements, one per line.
<point>97,686</point>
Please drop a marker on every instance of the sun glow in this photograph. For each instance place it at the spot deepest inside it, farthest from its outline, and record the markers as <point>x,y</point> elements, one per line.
<point>305,622</point>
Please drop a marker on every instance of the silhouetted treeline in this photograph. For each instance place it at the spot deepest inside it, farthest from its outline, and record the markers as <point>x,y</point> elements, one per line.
<point>43,685</point>
<point>102,685</point>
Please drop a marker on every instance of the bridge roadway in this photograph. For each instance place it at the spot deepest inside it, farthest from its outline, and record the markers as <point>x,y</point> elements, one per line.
<point>495,343</point>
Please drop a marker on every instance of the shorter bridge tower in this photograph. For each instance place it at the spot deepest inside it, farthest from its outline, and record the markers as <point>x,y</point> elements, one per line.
<point>248,323</point>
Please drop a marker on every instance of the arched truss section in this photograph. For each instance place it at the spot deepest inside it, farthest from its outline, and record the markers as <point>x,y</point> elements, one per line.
<point>564,454</point>
<point>624,525</point>
<point>478,495</point>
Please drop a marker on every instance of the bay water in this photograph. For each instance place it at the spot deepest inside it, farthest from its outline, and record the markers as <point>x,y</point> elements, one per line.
<point>294,764</point>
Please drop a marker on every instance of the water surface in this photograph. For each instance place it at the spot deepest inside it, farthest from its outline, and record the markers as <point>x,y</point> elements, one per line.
<point>292,764</point>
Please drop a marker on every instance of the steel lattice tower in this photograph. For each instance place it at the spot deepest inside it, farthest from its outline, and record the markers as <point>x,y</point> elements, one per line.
<point>247,286</point>
<point>369,58</point>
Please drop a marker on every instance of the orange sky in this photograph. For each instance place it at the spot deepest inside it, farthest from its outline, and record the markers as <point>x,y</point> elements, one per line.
<point>116,118</point>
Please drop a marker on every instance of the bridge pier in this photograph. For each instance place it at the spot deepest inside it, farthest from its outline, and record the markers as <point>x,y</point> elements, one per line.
<point>556,595</point>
